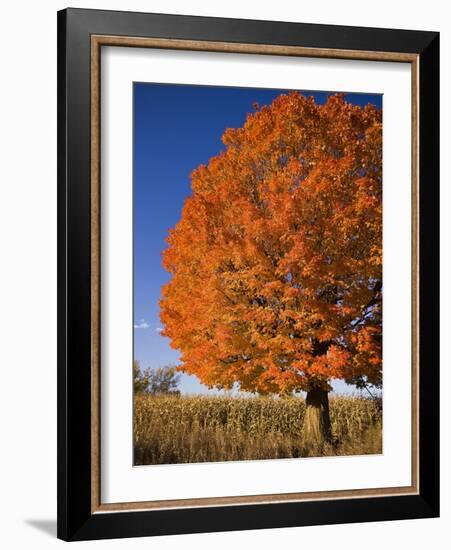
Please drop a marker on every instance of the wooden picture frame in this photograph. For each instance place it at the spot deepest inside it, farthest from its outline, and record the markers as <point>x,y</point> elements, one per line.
<point>81,35</point>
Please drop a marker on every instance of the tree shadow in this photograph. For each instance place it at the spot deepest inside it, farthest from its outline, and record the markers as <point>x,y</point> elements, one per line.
<point>47,526</point>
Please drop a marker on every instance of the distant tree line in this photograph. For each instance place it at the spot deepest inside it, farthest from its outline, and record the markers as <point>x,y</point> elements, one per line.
<point>163,380</point>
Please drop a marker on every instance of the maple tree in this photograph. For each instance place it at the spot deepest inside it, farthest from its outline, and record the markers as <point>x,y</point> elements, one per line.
<point>276,261</point>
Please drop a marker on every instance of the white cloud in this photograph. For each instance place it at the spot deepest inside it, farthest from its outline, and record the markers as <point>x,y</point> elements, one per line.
<point>141,324</point>
<point>159,329</point>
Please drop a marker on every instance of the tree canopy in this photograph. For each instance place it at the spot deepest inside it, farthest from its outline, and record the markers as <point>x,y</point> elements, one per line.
<point>276,261</point>
<point>162,380</point>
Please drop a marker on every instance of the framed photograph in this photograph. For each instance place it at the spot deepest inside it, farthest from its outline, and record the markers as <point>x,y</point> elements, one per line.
<point>248,274</point>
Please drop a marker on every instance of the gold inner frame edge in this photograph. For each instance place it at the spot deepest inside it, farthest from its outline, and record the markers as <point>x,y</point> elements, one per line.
<point>97,41</point>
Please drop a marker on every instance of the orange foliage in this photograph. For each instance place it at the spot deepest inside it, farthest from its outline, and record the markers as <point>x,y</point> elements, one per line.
<point>276,261</point>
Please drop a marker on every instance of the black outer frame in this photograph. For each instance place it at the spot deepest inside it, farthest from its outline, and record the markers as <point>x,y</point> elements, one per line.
<point>75,520</point>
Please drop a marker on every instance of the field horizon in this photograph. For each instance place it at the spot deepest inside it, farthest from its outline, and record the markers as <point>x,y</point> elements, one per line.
<point>177,429</point>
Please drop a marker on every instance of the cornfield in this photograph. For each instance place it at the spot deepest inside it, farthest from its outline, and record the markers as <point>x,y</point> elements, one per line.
<point>180,429</point>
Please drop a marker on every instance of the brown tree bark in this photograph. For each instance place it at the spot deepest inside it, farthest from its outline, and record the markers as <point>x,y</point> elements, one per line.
<point>317,428</point>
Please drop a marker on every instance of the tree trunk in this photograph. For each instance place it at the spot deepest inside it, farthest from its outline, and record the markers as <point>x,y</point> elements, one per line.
<point>317,428</point>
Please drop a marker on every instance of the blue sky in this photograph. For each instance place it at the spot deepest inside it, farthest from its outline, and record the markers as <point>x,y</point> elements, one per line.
<point>176,128</point>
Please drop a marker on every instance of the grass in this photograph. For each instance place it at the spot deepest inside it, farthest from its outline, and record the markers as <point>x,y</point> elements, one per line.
<point>180,429</point>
